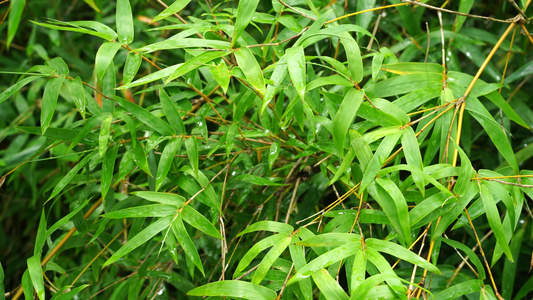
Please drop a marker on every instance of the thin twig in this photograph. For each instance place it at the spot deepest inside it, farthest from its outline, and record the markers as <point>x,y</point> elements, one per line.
<point>456,12</point>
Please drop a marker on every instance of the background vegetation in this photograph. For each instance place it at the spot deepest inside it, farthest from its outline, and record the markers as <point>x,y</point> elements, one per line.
<point>298,149</point>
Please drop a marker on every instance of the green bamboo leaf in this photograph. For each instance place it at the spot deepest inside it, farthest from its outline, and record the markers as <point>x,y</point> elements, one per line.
<point>131,66</point>
<point>328,80</point>
<point>498,100</point>
<point>273,153</point>
<point>195,62</point>
<point>207,196</point>
<point>172,9</point>
<point>198,221</point>
<point>493,129</point>
<point>377,62</point>
<point>59,65</point>
<point>166,161</point>
<point>326,260</point>
<point>139,157</point>
<point>269,259</point>
<point>94,25</point>
<point>27,285</point>
<point>328,286</point>
<point>66,180</point>
<point>465,175</point>
<point>51,92</point>
<point>69,27</point>
<point>251,69</point>
<point>267,226</point>
<point>234,288</point>
<point>255,250</point>
<point>75,88</point>
<point>71,293</point>
<point>524,71</point>
<point>345,117</point>
<point>108,166</point>
<point>141,238</point>
<point>379,157</point>
<point>461,289</point>
<point>145,211</point>
<point>230,137</point>
<point>16,87</point>
<point>411,150</point>
<point>186,243</point>
<point>257,180</point>
<point>105,131</point>
<point>245,12</point>
<point>358,271</point>
<point>493,216</point>
<point>364,288</point>
<point>469,255</point>
<point>364,20</point>
<point>61,134</point>
<point>36,275</point>
<point>192,153</point>
<point>163,198</point>
<point>353,56</point>
<point>171,112</point>
<point>152,77</point>
<point>221,74</point>
<point>331,239</point>
<point>401,253</point>
<point>104,57</point>
<point>90,124</point>
<point>146,117</point>
<point>464,7</point>
<point>297,69</point>
<point>16,9</point>
<point>2,278</point>
<point>124,21</point>
<point>401,210</point>
<point>403,68</point>
<point>280,71</point>
<point>298,258</point>
<point>180,42</point>
<point>403,84</point>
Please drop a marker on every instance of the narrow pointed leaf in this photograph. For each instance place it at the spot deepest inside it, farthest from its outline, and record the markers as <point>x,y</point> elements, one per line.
<point>172,9</point>
<point>78,94</point>
<point>267,226</point>
<point>103,139</point>
<point>195,63</point>
<point>108,166</point>
<point>163,198</point>
<point>171,112</point>
<point>493,216</point>
<point>51,93</point>
<point>16,9</point>
<point>146,117</point>
<point>186,243</point>
<point>198,221</point>
<point>36,275</point>
<point>124,20</point>
<point>234,288</point>
<point>165,163</point>
<point>251,69</point>
<point>270,258</point>
<point>245,12</point>
<point>131,66</point>
<point>345,117</point>
<point>145,211</point>
<point>66,180</point>
<point>104,57</point>
<point>297,69</point>
<point>141,238</point>
<point>192,153</point>
<point>328,286</point>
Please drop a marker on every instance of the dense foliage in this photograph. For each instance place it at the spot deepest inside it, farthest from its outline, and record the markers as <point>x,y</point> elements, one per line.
<point>298,149</point>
